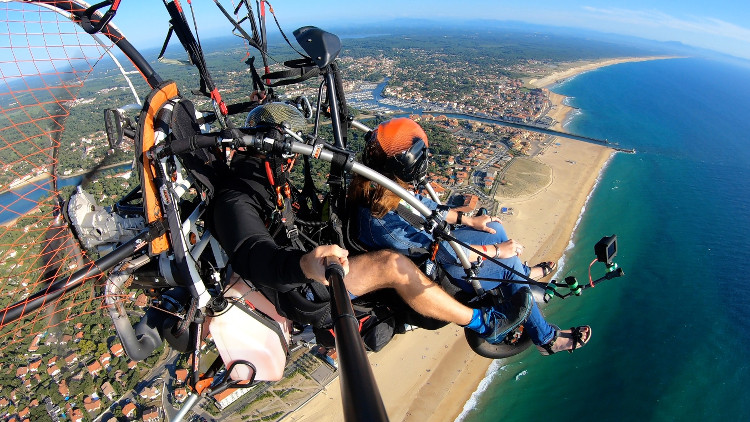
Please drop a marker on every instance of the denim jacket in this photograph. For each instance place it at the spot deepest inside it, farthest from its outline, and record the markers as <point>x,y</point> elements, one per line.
<point>393,232</point>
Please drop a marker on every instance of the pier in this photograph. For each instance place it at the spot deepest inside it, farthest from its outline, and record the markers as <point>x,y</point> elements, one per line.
<point>538,129</point>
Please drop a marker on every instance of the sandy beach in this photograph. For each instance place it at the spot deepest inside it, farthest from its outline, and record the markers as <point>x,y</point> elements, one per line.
<point>568,70</point>
<point>430,375</point>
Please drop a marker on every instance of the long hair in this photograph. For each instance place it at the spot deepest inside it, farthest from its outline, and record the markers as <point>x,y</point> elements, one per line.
<point>365,193</point>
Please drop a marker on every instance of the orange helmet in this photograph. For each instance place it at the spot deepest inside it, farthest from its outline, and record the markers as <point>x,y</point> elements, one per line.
<point>398,147</point>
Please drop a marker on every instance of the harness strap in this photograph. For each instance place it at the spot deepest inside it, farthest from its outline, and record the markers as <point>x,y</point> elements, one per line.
<point>295,75</point>
<point>257,83</point>
<point>405,213</point>
<point>417,221</point>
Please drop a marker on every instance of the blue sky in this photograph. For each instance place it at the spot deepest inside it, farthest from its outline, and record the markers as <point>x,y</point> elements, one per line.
<point>722,25</point>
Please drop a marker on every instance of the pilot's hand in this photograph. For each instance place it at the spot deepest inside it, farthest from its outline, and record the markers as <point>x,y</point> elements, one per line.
<point>313,263</point>
<point>258,96</point>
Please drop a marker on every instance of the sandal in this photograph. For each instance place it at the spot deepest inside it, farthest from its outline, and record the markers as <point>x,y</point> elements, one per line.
<point>576,334</point>
<point>547,267</point>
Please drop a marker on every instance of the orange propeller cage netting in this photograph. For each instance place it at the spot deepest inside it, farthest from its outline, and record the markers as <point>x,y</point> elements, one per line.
<point>45,62</point>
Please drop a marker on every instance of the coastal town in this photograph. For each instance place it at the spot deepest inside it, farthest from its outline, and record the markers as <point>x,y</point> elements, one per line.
<point>78,370</point>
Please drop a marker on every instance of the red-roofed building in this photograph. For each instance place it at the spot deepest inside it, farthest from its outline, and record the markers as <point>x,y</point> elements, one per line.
<point>63,389</point>
<point>105,359</point>
<point>76,415</point>
<point>71,358</point>
<point>24,413</point>
<point>92,405</point>
<point>94,368</point>
<point>21,371</point>
<point>141,300</point>
<point>53,370</point>
<point>35,343</point>
<point>52,361</point>
<point>469,205</point>
<point>129,410</point>
<point>180,394</point>
<point>34,366</point>
<point>117,350</point>
<point>181,376</point>
<point>132,364</point>
<point>108,390</point>
<point>230,395</point>
<point>151,415</point>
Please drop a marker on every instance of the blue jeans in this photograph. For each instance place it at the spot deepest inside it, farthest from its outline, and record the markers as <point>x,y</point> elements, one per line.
<point>539,330</point>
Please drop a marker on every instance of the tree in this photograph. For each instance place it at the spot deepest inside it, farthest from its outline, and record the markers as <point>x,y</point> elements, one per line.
<point>101,349</point>
<point>86,347</point>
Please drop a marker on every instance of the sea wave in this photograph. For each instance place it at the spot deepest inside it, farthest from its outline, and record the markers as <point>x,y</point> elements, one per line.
<point>571,116</point>
<point>496,367</point>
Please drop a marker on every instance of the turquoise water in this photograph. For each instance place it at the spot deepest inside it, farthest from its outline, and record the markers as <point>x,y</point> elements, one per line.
<point>670,337</point>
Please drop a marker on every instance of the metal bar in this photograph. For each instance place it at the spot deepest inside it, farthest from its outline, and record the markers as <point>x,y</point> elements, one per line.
<point>359,391</point>
<point>431,192</point>
<point>186,407</point>
<point>333,105</point>
<point>360,126</point>
<point>39,299</point>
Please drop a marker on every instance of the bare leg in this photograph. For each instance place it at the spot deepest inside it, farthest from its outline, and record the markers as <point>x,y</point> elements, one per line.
<point>387,269</point>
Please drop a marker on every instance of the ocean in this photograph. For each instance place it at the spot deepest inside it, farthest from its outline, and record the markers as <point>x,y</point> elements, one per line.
<point>669,338</point>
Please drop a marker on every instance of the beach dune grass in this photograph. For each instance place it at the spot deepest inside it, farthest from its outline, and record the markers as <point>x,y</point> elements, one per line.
<point>523,177</point>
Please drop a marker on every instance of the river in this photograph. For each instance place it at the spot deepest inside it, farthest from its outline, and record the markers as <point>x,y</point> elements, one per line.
<point>19,201</point>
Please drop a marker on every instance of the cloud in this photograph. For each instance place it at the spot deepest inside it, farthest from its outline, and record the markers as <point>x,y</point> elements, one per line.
<point>658,20</point>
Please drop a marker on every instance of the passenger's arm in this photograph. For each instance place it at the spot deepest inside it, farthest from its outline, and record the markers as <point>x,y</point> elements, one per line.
<point>478,222</point>
<point>506,249</point>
